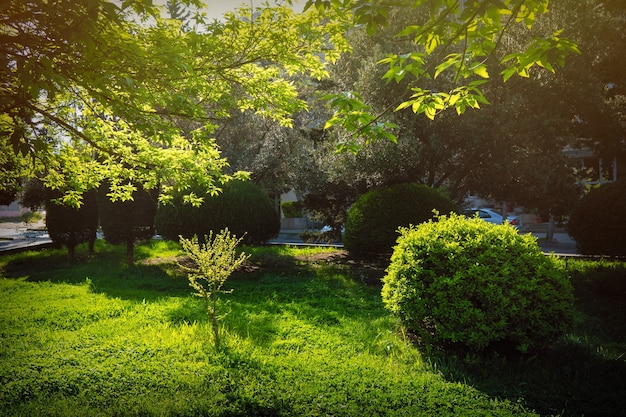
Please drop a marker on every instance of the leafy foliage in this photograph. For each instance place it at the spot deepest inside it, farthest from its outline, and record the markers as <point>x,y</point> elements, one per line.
<point>329,203</point>
<point>13,169</point>
<point>597,221</point>
<point>101,91</point>
<point>511,152</point>
<point>292,209</point>
<point>212,263</point>
<point>470,283</point>
<point>455,40</point>
<point>373,220</point>
<point>241,206</point>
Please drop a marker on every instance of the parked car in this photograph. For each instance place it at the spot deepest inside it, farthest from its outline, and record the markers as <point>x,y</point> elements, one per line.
<point>492,216</point>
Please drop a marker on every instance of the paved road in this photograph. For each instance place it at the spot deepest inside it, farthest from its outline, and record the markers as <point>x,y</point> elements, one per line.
<point>561,243</point>
<point>15,236</point>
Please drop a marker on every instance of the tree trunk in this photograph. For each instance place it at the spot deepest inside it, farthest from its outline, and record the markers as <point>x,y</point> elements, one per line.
<point>212,310</point>
<point>92,243</point>
<point>551,227</point>
<point>71,252</point>
<point>130,252</point>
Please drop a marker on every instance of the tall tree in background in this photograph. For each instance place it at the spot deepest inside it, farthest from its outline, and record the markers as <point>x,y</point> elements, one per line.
<point>177,10</point>
<point>511,150</point>
<point>593,85</point>
<point>11,174</point>
<point>452,39</point>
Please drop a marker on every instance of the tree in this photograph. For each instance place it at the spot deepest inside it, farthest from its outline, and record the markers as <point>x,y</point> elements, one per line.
<point>13,171</point>
<point>492,151</point>
<point>455,40</point>
<point>71,226</point>
<point>329,204</point>
<point>596,221</point>
<point>34,195</point>
<point>124,222</point>
<point>212,262</point>
<point>176,10</point>
<point>97,92</point>
<point>262,147</point>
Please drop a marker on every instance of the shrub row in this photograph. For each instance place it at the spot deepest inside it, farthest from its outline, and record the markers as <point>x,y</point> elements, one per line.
<point>242,207</point>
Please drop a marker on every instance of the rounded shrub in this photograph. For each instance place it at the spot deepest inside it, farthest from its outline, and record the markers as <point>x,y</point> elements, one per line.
<point>465,282</point>
<point>597,221</point>
<point>373,220</point>
<point>242,207</point>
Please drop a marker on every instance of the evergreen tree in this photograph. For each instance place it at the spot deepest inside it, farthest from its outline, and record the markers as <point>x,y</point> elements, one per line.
<point>71,226</point>
<point>124,222</point>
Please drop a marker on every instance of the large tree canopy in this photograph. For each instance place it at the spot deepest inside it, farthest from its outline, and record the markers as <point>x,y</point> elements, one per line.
<point>454,40</point>
<point>106,90</point>
<point>511,150</point>
<point>93,91</point>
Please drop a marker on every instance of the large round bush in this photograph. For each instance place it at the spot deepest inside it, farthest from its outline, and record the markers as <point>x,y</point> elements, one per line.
<point>373,220</point>
<point>242,207</point>
<point>597,222</point>
<point>467,282</point>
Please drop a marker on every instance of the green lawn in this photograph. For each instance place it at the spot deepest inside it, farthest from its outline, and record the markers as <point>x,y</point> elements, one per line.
<point>301,338</point>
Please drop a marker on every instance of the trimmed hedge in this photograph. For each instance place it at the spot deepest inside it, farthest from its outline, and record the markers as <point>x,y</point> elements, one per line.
<point>242,207</point>
<point>373,220</point>
<point>471,283</point>
<point>597,222</point>
<point>70,226</point>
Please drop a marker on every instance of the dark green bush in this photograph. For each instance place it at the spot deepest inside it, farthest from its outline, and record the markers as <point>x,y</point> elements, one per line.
<point>597,221</point>
<point>373,220</point>
<point>126,222</point>
<point>70,226</point>
<point>466,282</point>
<point>241,206</point>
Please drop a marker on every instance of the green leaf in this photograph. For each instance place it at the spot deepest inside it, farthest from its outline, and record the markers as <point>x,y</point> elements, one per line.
<point>481,71</point>
<point>452,59</point>
<point>409,30</point>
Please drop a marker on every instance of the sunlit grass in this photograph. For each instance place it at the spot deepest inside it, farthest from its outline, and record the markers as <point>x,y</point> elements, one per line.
<point>300,338</point>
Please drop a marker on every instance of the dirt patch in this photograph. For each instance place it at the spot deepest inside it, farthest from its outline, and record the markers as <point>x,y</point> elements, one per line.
<point>162,261</point>
<point>334,257</point>
<point>368,271</point>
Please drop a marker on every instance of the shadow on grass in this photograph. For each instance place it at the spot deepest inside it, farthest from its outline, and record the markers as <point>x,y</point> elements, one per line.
<point>106,269</point>
<point>309,289</point>
<point>568,380</point>
<point>267,305</point>
<point>582,374</point>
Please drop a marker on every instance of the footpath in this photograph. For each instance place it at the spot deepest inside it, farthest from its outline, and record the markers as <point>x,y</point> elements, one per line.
<point>16,236</point>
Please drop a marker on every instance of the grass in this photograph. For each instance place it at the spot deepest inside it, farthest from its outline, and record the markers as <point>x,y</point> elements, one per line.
<point>302,337</point>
